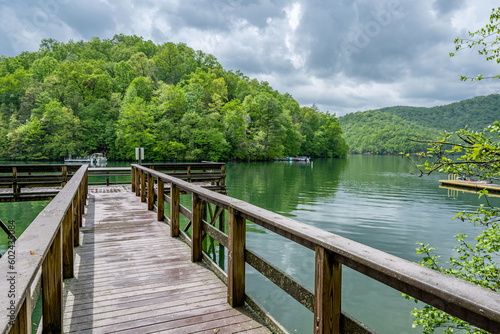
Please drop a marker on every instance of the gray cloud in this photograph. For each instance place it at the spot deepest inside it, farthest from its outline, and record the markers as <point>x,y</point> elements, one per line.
<point>342,55</point>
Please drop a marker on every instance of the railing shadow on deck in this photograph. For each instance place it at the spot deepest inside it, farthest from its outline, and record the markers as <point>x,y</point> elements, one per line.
<point>469,302</point>
<point>47,244</point>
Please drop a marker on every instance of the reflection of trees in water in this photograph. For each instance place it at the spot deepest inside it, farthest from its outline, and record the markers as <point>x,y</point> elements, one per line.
<point>282,186</point>
<point>23,213</point>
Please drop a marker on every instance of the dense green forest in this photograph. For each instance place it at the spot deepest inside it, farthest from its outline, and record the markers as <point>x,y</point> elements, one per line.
<point>386,131</point>
<point>116,94</point>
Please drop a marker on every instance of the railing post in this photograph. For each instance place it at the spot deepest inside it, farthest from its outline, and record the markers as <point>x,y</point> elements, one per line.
<point>15,189</point>
<point>75,222</point>
<point>327,292</point>
<point>151,192</point>
<point>196,219</point>
<point>143,186</point>
<point>52,285</point>
<point>174,210</point>
<point>64,175</point>
<point>107,178</point>
<point>236,259</point>
<point>137,182</point>
<point>161,200</point>
<point>188,173</point>
<point>22,324</point>
<point>68,242</point>
<point>132,171</point>
<point>81,207</point>
<point>223,178</point>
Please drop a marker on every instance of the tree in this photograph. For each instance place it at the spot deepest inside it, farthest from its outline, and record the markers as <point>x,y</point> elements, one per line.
<point>472,154</point>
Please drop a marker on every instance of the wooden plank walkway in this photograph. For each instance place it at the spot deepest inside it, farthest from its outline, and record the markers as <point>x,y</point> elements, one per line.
<point>472,185</point>
<point>132,277</point>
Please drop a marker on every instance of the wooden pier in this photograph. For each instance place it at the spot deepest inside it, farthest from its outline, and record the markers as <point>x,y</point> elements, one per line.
<point>131,277</point>
<point>127,265</point>
<point>476,186</point>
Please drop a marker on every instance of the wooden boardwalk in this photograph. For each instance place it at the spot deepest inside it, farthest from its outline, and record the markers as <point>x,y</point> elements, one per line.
<point>132,277</point>
<point>472,185</point>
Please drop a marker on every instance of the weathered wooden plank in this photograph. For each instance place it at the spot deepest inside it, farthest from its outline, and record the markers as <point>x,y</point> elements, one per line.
<point>151,193</point>
<point>68,235</point>
<point>160,209</point>
<point>143,186</point>
<point>196,238</point>
<point>327,292</point>
<point>236,259</point>
<point>120,233</point>
<point>284,281</point>
<point>174,211</point>
<point>52,287</point>
<point>22,324</point>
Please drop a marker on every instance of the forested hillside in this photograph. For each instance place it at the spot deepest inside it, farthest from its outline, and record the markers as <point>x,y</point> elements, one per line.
<point>116,94</point>
<point>385,131</point>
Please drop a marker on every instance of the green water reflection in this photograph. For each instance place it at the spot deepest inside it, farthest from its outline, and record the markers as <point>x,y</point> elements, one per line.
<point>370,199</point>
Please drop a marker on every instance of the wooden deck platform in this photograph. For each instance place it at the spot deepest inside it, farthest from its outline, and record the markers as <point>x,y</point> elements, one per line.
<point>132,277</point>
<point>472,185</point>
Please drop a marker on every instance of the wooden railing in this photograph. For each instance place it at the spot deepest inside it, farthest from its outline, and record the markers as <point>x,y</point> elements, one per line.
<point>474,304</point>
<point>47,244</point>
<point>18,177</point>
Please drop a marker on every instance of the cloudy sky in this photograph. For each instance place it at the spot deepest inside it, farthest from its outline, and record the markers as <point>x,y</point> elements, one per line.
<point>342,55</point>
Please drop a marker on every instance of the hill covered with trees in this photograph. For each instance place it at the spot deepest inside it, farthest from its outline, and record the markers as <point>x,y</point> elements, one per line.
<point>386,131</point>
<point>116,94</point>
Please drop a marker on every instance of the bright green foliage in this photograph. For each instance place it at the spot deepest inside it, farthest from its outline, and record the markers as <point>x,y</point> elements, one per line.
<point>120,93</point>
<point>386,131</point>
<point>468,154</point>
<point>485,40</point>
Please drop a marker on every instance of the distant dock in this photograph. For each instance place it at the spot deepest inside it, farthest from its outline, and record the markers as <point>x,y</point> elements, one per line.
<point>491,187</point>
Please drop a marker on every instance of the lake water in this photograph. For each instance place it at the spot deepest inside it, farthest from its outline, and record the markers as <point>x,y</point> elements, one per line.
<point>370,199</point>
<point>373,200</point>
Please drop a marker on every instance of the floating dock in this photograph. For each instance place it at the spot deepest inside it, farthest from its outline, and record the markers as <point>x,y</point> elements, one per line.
<point>491,187</point>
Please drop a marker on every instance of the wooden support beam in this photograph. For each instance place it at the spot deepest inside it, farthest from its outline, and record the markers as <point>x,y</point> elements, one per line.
<point>22,324</point>
<point>52,288</point>
<point>76,224</point>
<point>64,173</point>
<point>196,239</point>
<point>223,171</point>
<point>175,198</point>
<point>132,172</point>
<point>188,173</point>
<point>81,209</point>
<point>151,192</point>
<point>143,187</point>
<point>236,259</point>
<point>327,293</point>
<point>137,182</point>
<point>160,206</point>
<point>68,242</point>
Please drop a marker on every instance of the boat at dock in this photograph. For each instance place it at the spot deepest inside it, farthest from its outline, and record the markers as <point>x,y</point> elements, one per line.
<point>302,158</point>
<point>95,159</point>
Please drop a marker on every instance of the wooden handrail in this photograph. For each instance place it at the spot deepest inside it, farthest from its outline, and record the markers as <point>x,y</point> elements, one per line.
<point>47,244</point>
<point>472,303</point>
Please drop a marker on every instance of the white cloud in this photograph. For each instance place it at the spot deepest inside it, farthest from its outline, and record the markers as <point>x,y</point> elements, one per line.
<point>295,46</point>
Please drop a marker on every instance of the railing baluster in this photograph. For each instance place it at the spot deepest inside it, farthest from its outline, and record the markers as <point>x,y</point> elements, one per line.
<point>174,210</point>
<point>161,200</point>
<point>327,301</point>
<point>138,182</point>
<point>132,173</point>
<point>68,244</point>
<point>196,219</point>
<point>76,224</point>
<point>22,325</point>
<point>143,187</point>
<point>236,259</point>
<point>151,192</point>
<point>52,288</point>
